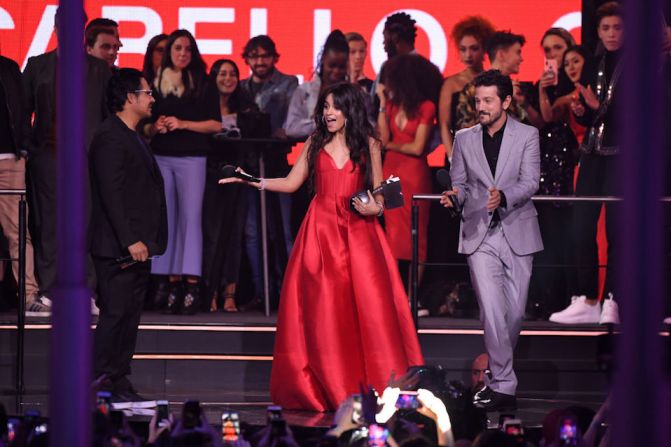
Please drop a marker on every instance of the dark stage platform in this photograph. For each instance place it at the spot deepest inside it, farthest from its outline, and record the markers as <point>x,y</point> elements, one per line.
<point>224,360</point>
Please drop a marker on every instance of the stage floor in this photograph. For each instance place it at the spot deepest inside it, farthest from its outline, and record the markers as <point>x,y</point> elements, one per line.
<point>224,360</point>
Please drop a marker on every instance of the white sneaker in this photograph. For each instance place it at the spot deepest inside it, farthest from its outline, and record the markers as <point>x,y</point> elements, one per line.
<point>94,308</point>
<point>39,307</point>
<point>578,312</point>
<point>610,314</point>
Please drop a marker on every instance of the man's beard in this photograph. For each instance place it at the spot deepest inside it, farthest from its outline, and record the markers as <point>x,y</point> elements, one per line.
<point>492,118</point>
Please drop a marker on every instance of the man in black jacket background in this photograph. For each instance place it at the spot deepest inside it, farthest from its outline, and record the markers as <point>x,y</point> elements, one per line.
<point>128,226</point>
<point>39,86</point>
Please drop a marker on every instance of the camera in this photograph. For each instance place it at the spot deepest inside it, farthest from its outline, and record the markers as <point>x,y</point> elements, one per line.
<point>407,400</point>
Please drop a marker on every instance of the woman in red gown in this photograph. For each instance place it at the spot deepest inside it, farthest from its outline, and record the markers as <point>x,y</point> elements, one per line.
<point>344,318</point>
<point>406,118</point>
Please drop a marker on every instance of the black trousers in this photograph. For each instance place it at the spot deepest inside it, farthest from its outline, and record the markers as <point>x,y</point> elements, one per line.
<point>120,297</point>
<point>42,185</point>
<point>597,177</point>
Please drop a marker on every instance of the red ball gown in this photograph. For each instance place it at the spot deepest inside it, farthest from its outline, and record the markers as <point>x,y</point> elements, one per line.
<point>344,317</point>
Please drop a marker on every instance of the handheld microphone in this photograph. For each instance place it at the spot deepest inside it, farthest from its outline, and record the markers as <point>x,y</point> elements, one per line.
<point>125,261</point>
<point>230,171</point>
<point>443,178</point>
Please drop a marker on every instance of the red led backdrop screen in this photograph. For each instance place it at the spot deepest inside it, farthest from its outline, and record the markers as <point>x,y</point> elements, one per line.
<point>299,28</point>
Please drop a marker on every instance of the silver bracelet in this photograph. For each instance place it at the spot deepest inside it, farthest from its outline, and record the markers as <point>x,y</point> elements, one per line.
<point>262,184</point>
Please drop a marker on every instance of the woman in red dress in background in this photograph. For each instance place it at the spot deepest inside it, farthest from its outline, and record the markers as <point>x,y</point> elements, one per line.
<point>344,318</point>
<point>408,99</point>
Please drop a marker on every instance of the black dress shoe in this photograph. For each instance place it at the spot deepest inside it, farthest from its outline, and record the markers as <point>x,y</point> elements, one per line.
<point>490,400</point>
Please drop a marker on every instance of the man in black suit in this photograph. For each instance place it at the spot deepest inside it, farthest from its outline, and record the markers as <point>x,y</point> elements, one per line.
<point>128,226</point>
<point>39,84</point>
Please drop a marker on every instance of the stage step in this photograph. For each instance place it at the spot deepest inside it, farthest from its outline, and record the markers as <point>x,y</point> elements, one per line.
<point>219,357</point>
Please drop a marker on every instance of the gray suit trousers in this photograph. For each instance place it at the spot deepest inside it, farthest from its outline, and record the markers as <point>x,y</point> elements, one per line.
<point>501,282</point>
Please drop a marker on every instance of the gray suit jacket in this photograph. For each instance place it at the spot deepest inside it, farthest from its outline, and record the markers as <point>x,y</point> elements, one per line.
<point>517,176</point>
<point>274,96</point>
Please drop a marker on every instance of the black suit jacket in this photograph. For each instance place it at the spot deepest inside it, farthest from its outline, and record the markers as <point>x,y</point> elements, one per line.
<point>10,80</point>
<point>39,86</point>
<point>128,202</point>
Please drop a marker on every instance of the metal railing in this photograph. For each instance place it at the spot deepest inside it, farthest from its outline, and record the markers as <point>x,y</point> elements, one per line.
<point>21,285</point>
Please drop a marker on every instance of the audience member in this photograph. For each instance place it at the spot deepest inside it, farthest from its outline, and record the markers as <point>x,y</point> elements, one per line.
<point>269,87</point>
<point>469,36</point>
<point>504,50</point>
<point>357,58</point>
<point>331,69</point>
<point>39,83</point>
<point>408,97</point>
<point>102,22</point>
<point>559,146</point>
<point>224,209</point>
<point>154,56</point>
<point>272,91</point>
<point>102,43</point>
<point>186,112</point>
<point>597,108</point>
<point>480,372</point>
<point>13,176</point>
<point>399,34</point>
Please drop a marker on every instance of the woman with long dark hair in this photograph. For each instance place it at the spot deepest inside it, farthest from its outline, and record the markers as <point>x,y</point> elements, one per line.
<point>408,100</point>
<point>344,317</point>
<point>224,209</point>
<point>154,56</point>
<point>185,114</point>
<point>559,146</point>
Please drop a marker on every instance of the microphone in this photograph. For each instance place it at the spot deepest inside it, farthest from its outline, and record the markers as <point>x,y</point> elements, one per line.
<point>125,261</point>
<point>443,178</point>
<point>128,261</point>
<point>230,171</point>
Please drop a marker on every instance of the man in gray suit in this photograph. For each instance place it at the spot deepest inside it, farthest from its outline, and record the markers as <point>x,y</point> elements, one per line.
<point>495,171</point>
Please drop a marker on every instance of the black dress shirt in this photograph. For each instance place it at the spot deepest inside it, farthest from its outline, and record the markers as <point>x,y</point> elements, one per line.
<point>492,147</point>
